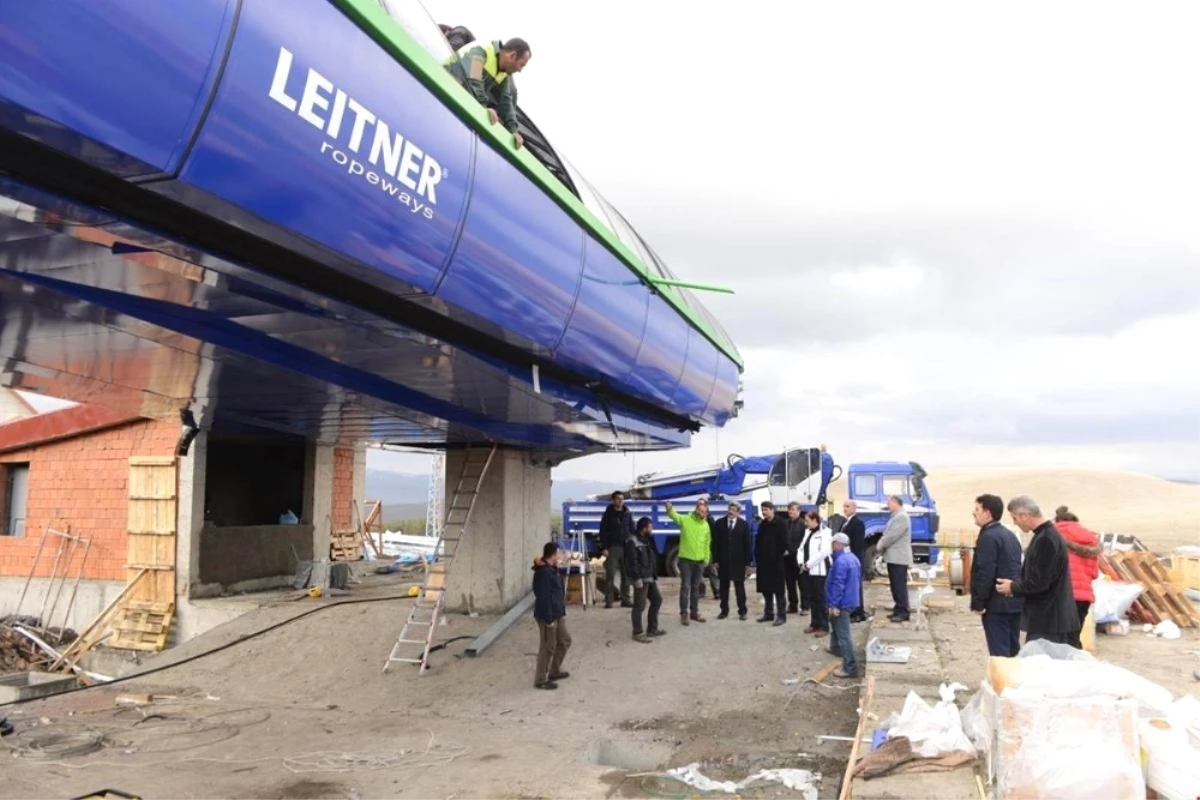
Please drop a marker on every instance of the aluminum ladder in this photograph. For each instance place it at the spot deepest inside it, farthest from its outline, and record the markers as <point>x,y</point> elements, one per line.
<point>416,637</point>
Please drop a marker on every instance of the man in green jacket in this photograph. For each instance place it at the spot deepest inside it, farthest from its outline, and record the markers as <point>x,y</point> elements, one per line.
<point>485,69</point>
<point>695,543</point>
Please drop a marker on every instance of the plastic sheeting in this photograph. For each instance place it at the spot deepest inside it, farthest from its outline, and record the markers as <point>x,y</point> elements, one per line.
<point>933,730</point>
<point>798,780</point>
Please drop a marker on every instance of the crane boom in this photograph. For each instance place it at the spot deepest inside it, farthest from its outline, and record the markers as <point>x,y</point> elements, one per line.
<point>733,477</point>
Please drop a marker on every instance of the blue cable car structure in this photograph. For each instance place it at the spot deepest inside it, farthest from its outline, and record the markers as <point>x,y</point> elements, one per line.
<point>288,216</point>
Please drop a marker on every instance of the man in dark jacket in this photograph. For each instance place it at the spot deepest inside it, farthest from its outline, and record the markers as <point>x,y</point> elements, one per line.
<point>856,532</point>
<point>641,562</point>
<point>616,526</point>
<point>732,552</point>
<point>1045,582</point>
<point>997,555</point>
<point>550,611</point>
<point>796,585</point>
<point>770,552</point>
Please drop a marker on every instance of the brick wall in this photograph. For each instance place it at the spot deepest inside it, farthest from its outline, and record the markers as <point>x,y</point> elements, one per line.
<point>83,482</point>
<point>343,515</point>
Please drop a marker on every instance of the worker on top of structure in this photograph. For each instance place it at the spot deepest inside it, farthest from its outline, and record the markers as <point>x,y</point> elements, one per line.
<point>486,69</point>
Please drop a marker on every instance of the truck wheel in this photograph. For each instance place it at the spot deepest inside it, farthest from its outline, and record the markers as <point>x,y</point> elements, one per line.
<point>672,561</point>
<point>874,566</point>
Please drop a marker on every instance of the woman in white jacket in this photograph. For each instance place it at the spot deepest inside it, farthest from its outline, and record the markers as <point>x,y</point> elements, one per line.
<point>813,559</point>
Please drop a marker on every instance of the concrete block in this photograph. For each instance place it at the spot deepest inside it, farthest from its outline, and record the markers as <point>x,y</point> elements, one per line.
<point>26,685</point>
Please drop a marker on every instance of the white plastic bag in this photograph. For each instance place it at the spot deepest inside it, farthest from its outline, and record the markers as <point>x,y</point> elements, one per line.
<point>1113,599</point>
<point>933,730</point>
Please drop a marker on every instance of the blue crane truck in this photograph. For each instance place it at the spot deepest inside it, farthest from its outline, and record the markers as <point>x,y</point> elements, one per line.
<point>803,475</point>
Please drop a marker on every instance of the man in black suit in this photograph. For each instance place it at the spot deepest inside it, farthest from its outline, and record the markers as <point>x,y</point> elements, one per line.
<point>731,553</point>
<point>997,555</point>
<point>854,528</point>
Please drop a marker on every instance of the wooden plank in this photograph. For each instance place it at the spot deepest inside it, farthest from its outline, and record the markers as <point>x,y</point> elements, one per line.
<point>74,650</point>
<point>864,712</point>
<point>150,527</point>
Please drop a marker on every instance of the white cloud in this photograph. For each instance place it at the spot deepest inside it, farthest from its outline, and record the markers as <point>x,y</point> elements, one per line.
<point>879,281</point>
<point>958,233</point>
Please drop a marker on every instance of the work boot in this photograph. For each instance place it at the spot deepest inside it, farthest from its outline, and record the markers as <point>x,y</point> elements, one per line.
<point>642,638</point>
<point>683,620</point>
<point>546,685</point>
<point>697,618</point>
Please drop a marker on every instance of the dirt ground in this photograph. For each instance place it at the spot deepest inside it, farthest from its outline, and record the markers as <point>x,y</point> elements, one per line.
<point>264,718</point>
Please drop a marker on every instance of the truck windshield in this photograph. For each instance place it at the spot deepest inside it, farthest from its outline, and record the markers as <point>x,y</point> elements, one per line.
<point>795,467</point>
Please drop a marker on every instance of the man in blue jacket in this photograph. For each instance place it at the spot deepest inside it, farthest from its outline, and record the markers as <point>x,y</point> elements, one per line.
<point>997,555</point>
<point>841,595</point>
<point>550,611</point>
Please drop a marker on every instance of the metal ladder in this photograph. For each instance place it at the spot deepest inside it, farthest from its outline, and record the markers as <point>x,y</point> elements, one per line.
<point>421,625</point>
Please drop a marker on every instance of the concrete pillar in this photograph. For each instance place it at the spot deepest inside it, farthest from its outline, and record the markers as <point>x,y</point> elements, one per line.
<point>510,524</point>
<point>318,498</point>
<point>190,516</point>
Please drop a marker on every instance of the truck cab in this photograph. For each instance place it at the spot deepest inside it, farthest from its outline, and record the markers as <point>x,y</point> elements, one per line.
<point>870,486</point>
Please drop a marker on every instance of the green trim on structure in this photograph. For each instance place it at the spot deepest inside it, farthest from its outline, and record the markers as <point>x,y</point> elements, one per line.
<point>373,20</point>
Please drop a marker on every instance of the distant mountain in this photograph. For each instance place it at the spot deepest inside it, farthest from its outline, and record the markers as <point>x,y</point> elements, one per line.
<point>404,494</point>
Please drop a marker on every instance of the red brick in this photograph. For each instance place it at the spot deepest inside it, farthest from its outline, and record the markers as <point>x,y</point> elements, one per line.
<point>82,483</point>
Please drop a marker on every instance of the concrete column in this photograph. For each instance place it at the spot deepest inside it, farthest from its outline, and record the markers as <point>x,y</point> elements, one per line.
<point>190,516</point>
<point>318,498</point>
<point>510,524</point>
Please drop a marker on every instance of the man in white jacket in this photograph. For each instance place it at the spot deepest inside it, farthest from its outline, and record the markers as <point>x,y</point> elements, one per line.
<point>896,547</point>
<point>813,559</point>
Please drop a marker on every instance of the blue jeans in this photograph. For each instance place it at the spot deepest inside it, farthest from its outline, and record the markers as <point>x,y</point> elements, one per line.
<point>843,642</point>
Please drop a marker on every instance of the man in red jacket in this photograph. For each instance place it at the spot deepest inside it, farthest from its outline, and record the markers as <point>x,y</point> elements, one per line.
<point>1083,556</point>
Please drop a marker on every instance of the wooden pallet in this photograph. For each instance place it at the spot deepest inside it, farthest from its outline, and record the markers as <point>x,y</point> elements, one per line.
<point>1160,600</point>
<point>345,546</point>
<point>141,625</point>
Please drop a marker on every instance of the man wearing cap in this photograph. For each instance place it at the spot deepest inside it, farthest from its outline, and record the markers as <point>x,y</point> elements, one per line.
<point>841,593</point>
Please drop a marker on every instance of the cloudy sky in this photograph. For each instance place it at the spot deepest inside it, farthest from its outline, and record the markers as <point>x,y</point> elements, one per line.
<point>959,234</point>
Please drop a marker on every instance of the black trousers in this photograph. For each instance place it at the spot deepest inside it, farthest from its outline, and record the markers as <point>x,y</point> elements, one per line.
<point>648,591</point>
<point>898,580</point>
<point>1082,607</point>
<point>739,588</point>
<point>791,581</point>
<point>818,607</point>
<point>1003,634</point>
<point>771,600</point>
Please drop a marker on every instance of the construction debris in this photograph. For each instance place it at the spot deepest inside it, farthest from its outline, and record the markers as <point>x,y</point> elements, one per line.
<point>1161,599</point>
<point>18,652</point>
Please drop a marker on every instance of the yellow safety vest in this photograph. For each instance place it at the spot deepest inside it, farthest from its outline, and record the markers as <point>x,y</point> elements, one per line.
<point>491,62</point>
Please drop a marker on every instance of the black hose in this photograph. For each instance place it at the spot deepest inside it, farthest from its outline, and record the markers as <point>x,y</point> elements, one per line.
<point>237,641</point>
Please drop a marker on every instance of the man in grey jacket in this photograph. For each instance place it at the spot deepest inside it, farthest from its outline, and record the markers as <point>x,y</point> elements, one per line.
<point>896,547</point>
